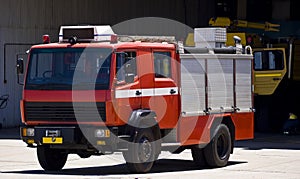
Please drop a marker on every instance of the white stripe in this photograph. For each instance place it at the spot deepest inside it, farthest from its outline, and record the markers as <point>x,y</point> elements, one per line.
<point>146,92</point>
<point>165,91</point>
<point>126,93</point>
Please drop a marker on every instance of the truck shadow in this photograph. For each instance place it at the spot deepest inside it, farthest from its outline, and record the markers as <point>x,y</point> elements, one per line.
<point>161,166</point>
<point>271,141</point>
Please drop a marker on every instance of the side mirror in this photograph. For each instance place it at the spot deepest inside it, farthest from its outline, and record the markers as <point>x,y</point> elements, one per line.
<point>20,69</point>
<point>20,66</point>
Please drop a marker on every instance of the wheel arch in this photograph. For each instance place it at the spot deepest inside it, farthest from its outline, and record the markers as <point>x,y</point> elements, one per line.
<point>143,118</point>
<point>226,120</point>
<point>229,123</point>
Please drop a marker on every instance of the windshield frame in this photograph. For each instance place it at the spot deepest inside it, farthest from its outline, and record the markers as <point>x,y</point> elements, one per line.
<point>71,82</point>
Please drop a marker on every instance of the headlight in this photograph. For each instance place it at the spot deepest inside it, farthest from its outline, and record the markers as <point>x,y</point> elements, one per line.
<point>102,133</point>
<point>28,132</point>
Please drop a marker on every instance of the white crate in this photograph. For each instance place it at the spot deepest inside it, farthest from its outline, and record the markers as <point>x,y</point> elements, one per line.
<point>210,35</point>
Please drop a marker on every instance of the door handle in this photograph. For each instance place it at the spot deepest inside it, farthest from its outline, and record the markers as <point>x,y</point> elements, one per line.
<point>138,93</point>
<point>276,79</point>
<point>172,91</point>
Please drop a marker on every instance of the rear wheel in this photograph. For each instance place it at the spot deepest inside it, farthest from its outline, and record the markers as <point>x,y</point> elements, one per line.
<point>217,152</point>
<point>141,152</point>
<point>51,159</point>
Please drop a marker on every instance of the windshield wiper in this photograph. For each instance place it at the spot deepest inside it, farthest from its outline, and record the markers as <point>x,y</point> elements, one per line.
<point>89,85</point>
<point>46,86</point>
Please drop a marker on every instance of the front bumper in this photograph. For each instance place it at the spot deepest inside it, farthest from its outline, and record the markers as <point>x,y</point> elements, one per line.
<point>101,139</point>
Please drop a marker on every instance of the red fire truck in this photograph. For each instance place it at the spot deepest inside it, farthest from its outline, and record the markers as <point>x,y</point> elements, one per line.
<point>96,93</point>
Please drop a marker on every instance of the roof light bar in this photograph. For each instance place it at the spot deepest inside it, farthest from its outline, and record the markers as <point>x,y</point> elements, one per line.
<point>86,33</point>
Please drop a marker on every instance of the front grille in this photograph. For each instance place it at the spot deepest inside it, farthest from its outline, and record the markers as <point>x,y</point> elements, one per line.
<point>65,111</point>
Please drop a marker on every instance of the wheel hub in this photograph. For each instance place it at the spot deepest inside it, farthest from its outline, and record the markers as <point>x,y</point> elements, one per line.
<point>145,150</point>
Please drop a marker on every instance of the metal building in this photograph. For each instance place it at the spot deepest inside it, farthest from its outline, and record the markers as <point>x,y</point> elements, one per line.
<point>24,22</point>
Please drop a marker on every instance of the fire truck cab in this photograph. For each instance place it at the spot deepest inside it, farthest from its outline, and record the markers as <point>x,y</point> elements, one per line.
<point>95,93</point>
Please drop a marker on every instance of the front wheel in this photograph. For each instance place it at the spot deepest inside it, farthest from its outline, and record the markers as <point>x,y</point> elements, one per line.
<point>141,152</point>
<point>198,157</point>
<point>217,152</point>
<point>51,159</point>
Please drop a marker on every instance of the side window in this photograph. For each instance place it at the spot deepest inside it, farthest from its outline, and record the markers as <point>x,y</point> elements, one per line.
<point>162,64</point>
<point>126,63</point>
<point>258,60</point>
<point>268,60</point>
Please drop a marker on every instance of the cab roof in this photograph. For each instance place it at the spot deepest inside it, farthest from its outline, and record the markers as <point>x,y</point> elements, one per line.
<point>119,45</point>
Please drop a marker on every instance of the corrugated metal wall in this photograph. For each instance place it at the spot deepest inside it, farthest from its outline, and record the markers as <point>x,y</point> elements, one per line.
<point>25,21</point>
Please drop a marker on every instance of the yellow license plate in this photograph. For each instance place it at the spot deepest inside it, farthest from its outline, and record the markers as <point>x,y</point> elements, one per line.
<point>52,140</point>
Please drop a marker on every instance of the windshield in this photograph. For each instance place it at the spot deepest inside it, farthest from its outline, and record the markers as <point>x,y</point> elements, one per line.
<point>69,68</point>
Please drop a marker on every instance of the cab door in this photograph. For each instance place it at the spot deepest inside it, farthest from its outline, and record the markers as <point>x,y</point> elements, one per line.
<point>166,94</point>
<point>127,85</point>
<point>269,69</point>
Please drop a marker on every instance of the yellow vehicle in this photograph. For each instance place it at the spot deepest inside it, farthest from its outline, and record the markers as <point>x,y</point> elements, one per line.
<point>233,30</point>
<point>276,84</point>
<point>226,22</point>
<point>276,71</point>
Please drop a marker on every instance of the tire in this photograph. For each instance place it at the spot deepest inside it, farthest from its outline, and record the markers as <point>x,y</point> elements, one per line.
<point>217,152</point>
<point>198,157</point>
<point>51,159</point>
<point>141,152</point>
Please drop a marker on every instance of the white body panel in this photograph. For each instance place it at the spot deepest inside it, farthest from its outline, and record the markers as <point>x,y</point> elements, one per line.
<point>215,83</point>
<point>220,84</point>
<point>243,83</point>
<point>193,86</point>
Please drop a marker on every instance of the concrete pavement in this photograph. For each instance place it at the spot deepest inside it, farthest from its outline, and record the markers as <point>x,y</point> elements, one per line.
<point>267,156</point>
